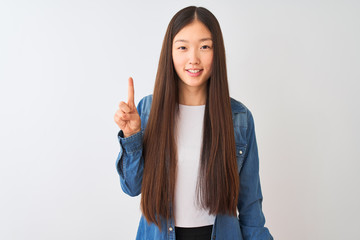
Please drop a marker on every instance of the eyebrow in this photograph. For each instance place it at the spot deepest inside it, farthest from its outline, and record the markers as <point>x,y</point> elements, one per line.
<point>201,40</point>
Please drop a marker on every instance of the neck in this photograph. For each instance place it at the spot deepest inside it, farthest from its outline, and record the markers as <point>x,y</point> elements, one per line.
<point>192,96</point>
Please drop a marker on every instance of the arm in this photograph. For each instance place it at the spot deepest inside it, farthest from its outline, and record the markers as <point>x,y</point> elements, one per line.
<point>130,161</point>
<point>251,217</point>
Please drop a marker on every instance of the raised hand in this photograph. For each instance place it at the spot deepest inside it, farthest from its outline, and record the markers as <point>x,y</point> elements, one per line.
<point>127,116</point>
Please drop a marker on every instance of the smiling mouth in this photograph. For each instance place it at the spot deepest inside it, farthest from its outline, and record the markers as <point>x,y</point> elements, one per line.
<point>193,71</point>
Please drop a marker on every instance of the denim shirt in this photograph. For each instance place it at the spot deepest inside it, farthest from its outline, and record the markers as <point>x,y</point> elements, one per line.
<point>249,225</point>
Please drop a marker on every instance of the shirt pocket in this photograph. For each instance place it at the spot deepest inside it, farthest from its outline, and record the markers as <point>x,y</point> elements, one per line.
<point>240,155</point>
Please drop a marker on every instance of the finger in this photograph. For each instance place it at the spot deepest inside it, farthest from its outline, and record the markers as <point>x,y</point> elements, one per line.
<point>122,124</point>
<point>118,114</point>
<point>125,116</point>
<point>131,102</point>
<point>121,119</point>
<point>124,107</point>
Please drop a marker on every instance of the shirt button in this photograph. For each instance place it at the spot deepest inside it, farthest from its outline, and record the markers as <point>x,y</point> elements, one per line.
<point>170,229</point>
<point>240,152</point>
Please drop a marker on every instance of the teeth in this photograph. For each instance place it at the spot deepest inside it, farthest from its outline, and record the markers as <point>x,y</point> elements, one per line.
<point>194,71</point>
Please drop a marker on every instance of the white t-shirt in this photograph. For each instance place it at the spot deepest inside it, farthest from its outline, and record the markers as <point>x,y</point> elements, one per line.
<point>189,135</point>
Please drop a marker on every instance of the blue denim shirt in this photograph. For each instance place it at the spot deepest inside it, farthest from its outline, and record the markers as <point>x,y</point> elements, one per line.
<point>249,225</point>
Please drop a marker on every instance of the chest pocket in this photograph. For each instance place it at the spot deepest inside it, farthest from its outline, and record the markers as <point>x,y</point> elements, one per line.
<point>240,155</point>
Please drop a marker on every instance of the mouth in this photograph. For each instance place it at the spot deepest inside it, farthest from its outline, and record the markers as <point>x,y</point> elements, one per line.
<point>194,72</point>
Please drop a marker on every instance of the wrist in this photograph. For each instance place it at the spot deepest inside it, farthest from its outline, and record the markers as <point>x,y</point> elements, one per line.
<point>130,134</point>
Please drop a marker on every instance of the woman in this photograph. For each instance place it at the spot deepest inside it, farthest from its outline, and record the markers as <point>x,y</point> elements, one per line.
<point>190,149</point>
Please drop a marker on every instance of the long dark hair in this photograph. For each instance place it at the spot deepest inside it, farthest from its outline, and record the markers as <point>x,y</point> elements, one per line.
<point>218,180</point>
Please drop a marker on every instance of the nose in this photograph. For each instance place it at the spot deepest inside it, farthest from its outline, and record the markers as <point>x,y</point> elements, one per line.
<point>194,57</point>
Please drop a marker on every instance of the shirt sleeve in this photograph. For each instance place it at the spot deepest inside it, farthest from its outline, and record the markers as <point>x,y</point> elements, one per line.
<point>251,217</point>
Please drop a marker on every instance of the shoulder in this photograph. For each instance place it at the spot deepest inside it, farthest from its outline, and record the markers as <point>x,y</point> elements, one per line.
<point>144,105</point>
<point>146,100</point>
<point>242,116</point>
<point>237,106</point>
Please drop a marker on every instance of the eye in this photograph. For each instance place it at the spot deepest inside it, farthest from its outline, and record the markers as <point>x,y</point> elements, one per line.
<point>206,47</point>
<point>182,48</point>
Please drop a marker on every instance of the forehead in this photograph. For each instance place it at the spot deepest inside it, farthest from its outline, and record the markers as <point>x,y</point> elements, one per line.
<point>193,31</point>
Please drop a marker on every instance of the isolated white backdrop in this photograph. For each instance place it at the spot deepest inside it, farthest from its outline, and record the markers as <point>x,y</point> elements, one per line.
<point>64,67</point>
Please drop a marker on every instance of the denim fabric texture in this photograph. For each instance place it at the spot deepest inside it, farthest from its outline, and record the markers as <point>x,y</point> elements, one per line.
<point>249,225</point>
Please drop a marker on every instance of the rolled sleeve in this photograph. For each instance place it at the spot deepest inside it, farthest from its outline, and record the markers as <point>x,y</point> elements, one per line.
<point>130,163</point>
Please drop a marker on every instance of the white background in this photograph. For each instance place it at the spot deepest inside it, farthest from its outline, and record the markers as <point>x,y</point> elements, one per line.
<point>64,67</point>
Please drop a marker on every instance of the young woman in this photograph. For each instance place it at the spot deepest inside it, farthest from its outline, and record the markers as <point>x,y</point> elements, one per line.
<point>190,149</point>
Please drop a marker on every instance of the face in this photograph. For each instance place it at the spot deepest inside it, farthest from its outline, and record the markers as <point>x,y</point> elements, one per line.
<point>192,54</point>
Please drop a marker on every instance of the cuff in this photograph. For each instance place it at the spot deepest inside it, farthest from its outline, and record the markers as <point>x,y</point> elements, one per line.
<point>132,143</point>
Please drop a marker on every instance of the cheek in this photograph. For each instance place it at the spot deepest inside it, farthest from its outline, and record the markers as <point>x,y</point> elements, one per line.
<point>175,59</point>
<point>209,62</point>
<point>178,63</point>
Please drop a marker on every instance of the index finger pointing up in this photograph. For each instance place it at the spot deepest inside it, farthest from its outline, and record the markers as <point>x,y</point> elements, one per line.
<point>131,93</point>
